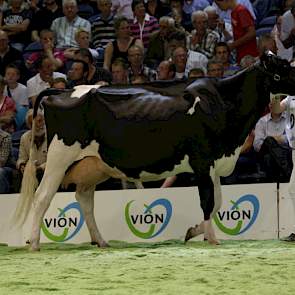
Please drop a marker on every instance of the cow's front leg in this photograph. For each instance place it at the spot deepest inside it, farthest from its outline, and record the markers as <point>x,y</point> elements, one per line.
<point>207,192</point>
<point>86,200</point>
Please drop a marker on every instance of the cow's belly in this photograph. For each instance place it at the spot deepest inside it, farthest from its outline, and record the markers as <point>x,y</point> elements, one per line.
<point>92,150</point>
<point>226,165</point>
<point>184,166</point>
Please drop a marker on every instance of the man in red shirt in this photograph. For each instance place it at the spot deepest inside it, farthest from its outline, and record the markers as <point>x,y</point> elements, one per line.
<point>243,28</point>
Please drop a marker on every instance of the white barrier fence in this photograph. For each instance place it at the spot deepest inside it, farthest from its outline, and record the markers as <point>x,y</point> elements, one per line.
<point>255,211</point>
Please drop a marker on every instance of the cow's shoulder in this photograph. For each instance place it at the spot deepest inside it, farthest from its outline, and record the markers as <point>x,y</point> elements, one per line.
<point>148,101</point>
<point>65,100</point>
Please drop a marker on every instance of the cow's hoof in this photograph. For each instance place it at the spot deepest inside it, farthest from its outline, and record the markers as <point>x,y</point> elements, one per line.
<point>103,245</point>
<point>190,234</point>
<point>214,242</point>
<point>34,249</point>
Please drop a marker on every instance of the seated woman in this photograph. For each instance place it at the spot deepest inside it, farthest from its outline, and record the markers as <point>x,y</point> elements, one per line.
<point>119,47</point>
<point>47,47</point>
<point>40,143</point>
<point>7,109</point>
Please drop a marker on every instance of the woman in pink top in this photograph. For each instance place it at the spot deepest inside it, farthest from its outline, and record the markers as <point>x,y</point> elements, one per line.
<point>7,109</point>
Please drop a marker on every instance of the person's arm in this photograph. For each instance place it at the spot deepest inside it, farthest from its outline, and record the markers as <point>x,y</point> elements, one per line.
<point>260,134</point>
<point>5,149</point>
<point>23,155</point>
<point>48,50</point>
<point>17,28</point>
<point>250,34</point>
<point>290,40</point>
<point>35,36</point>
<point>169,181</point>
<point>108,54</point>
<point>278,106</point>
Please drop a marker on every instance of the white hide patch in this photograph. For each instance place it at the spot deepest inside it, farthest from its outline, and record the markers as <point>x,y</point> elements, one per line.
<point>225,165</point>
<point>180,168</point>
<point>192,109</point>
<point>82,89</point>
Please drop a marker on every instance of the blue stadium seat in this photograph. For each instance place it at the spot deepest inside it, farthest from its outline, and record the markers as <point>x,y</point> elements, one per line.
<point>262,31</point>
<point>269,21</point>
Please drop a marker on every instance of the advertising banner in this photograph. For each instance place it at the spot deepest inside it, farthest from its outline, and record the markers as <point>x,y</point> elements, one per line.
<point>151,215</point>
<point>287,213</point>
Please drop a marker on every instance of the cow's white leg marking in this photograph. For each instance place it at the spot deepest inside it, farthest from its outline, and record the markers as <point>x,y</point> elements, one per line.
<point>86,200</point>
<point>59,158</point>
<point>192,110</point>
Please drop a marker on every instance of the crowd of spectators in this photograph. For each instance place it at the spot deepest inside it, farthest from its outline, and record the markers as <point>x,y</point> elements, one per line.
<point>47,43</point>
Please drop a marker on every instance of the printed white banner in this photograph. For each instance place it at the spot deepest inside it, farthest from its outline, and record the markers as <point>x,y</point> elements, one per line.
<point>150,215</point>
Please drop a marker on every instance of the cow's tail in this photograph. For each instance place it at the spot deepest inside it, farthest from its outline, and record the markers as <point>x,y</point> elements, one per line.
<point>29,181</point>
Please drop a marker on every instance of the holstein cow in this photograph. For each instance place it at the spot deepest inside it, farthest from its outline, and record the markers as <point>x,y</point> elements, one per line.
<point>150,132</point>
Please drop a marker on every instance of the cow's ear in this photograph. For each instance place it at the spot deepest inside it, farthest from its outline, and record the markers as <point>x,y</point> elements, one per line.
<point>266,57</point>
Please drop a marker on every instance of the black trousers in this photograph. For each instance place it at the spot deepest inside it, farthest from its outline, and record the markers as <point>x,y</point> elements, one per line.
<point>276,160</point>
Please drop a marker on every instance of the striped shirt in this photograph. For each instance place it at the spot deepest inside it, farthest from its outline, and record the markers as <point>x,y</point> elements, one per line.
<point>65,31</point>
<point>143,32</point>
<point>5,149</point>
<point>102,31</point>
<point>207,45</point>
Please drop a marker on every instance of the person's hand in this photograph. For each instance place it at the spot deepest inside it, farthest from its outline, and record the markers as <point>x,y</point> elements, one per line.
<point>231,46</point>
<point>48,46</point>
<point>221,26</point>
<point>293,32</point>
<point>279,139</point>
<point>22,168</point>
<point>195,39</point>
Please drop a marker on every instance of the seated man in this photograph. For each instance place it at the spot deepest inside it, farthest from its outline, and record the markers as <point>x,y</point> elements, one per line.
<point>166,70</point>
<point>120,71</point>
<point>6,162</point>
<point>138,72</point>
<point>272,146</point>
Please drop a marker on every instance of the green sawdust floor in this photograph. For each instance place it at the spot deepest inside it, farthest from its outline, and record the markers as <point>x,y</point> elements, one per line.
<point>235,267</point>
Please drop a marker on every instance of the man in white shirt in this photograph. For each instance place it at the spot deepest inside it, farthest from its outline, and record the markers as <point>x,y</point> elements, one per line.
<point>41,81</point>
<point>65,27</point>
<point>288,28</point>
<point>193,59</point>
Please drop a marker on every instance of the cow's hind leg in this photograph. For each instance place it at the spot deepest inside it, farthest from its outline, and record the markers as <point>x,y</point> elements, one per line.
<point>44,195</point>
<point>86,200</point>
<point>59,158</point>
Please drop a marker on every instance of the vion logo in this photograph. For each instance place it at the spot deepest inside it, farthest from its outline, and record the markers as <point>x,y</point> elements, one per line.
<point>240,217</point>
<point>69,222</point>
<point>151,221</point>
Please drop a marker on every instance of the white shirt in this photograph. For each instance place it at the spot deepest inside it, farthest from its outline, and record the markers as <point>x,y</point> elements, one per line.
<point>122,8</point>
<point>19,94</point>
<point>285,53</point>
<point>36,84</point>
<point>266,126</point>
<point>288,23</point>
<point>65,31</point>
<point>289,103</point>
<point>195,60</point>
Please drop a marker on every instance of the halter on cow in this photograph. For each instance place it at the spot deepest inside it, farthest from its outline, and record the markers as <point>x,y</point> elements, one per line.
<point>150,132</point>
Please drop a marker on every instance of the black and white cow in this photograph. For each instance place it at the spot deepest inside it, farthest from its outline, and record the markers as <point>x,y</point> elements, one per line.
<point>150,132</point>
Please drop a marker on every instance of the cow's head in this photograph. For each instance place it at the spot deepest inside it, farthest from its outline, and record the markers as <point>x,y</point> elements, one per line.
<point>280,73</point>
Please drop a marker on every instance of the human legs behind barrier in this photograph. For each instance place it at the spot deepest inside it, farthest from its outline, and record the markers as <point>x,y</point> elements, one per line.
<point>291,189</point>
<point>5,179</point>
